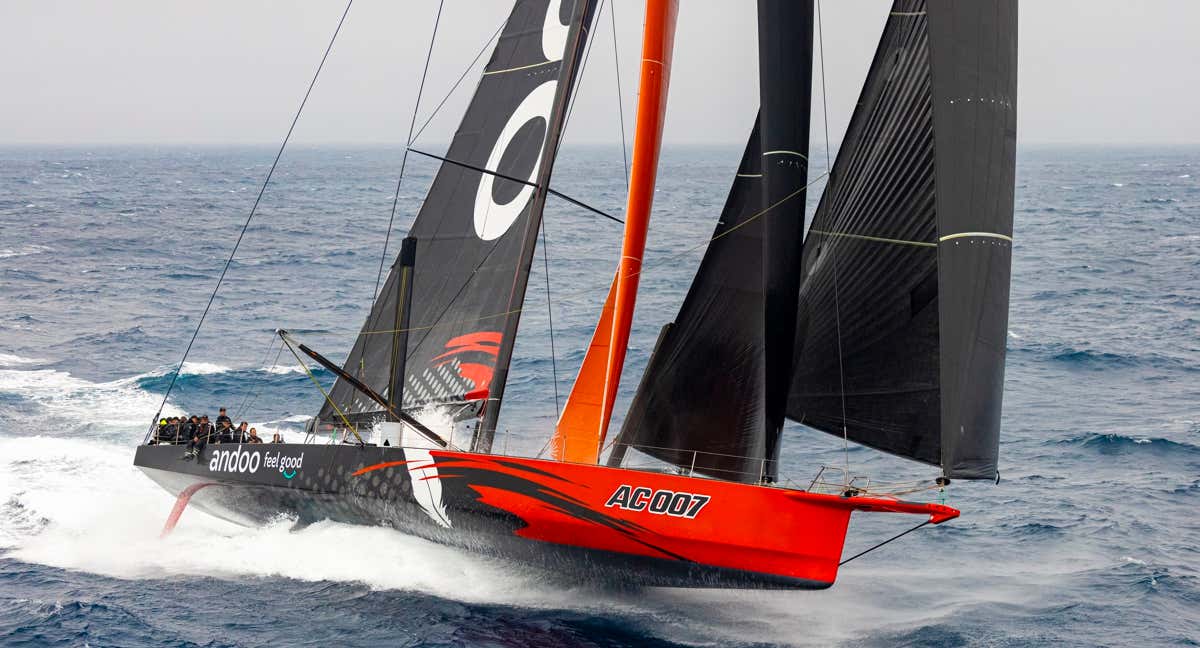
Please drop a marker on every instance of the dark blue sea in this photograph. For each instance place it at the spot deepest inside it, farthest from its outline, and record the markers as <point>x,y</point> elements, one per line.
<point>107,256</point>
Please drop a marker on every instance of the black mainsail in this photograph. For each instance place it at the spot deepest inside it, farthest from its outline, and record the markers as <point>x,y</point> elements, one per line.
<point>904,306</point>
<point>475,233</point>
<point>785,49</point>
<point>903,280</point>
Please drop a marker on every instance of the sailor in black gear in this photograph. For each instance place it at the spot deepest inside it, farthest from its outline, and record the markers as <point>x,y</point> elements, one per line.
<point>222,419</point>
<point>201,434</point>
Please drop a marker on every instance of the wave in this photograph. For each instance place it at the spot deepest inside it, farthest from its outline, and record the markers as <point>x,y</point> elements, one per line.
<point>283,369</point>
<point>9,360</point>
<point>79,505</point>
<point>1094,359</point>
<point>201,369</point>
<point>24,250</point>
<point>56,400</point>
<point>1113,443</point>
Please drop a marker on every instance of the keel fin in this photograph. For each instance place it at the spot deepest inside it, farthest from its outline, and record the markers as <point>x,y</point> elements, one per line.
<point>181,503</point>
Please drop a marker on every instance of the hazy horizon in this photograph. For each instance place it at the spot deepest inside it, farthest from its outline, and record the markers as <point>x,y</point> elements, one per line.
<point>228,73</point>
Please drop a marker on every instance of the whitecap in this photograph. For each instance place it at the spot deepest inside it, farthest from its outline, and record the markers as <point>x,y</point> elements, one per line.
<point>1186,175</point>
<point>9,360</point>
<point>63,402</point>
<point>1131,559</point>
<point>283,369</point>
<point>25,250</point>
<point>1117,184</point>
<point>202,369</point>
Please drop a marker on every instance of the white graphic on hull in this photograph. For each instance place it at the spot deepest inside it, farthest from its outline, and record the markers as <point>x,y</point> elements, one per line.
<point>426,484</point>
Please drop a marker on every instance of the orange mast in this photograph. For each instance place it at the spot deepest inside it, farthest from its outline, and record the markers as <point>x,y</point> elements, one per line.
<point>583,425</point>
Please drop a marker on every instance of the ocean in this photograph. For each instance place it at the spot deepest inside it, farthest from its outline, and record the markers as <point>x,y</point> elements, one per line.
<point>108,255</point>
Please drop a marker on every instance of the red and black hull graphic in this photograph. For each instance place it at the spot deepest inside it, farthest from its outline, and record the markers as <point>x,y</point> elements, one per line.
<point>601,523</point>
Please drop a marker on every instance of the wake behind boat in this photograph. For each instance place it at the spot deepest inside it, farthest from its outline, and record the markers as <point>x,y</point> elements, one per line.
<point>884,325</point>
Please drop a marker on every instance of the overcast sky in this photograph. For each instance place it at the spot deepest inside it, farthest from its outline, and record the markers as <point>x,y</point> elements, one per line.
<point>233,71</point>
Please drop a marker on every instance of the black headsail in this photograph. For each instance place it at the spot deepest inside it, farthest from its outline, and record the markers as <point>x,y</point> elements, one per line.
<point>476,232</point>
<point>714,394</point>
<point>904,304</point>
<point>701,398</point>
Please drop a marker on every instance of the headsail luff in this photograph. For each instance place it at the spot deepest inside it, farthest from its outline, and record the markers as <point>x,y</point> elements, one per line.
<point>476,232</point>
<point>907,260</point>
<point>583,425</point>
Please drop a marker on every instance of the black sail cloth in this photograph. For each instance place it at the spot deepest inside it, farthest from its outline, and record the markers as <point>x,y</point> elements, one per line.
<point>473,243</point>
<point>714,394</point>
<point>700,404</point>
<point>785,46</point>
<point>904,303</point>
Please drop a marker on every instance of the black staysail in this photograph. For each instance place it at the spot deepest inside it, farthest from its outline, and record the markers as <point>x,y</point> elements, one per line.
<point>904,304</point>
<point>713,396</point>
<point>683,399</point>
<point>475,232</point>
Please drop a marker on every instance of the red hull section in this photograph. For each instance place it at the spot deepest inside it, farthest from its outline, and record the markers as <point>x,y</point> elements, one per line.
<point>765,530</point>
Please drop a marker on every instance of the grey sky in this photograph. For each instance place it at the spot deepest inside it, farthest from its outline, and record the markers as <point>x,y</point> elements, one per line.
<point>233,71</point>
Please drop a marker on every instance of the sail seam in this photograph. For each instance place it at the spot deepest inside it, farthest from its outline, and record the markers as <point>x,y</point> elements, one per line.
<point>878,239</point>
<point>518,69</point>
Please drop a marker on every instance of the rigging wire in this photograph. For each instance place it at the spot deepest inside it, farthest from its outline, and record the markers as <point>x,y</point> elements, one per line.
<point>612,13</point>
<point>648,265</point>
<point>550,316</point>
<point>243,407</point>
<point>837,315</point>
<point>462,76</point>
<point>274,363</point>
<point>895,537</point>
<point>404,159</point>
<point>587,54</point>
<point>253,210</point>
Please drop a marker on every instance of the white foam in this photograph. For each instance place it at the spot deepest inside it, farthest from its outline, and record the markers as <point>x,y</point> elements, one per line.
<point>9,360</point>
<point>63,402</point>
<point>25,250</point>
<point>70,498</point>
<point>57,515</point>
<point>1186,175</point>
<point>202,369</point>
<point>283,369</point>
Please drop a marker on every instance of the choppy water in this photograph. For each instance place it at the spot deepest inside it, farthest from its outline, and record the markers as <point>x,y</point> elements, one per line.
<point>106,257</point>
